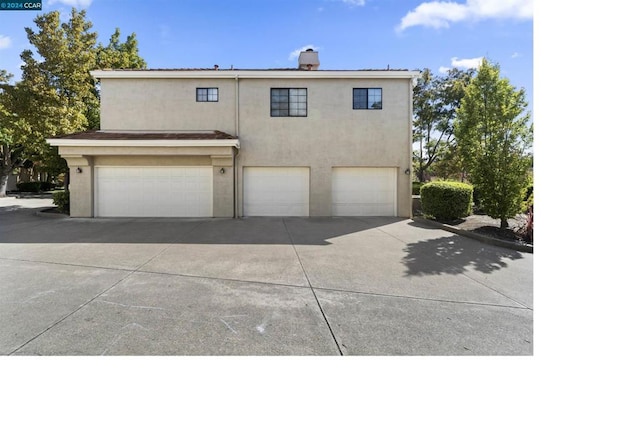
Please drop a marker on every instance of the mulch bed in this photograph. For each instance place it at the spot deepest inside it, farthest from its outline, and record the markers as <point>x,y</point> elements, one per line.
<point>485,225</point>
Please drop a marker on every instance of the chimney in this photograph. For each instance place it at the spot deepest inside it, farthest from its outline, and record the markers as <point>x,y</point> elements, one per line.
<point>308,60</point>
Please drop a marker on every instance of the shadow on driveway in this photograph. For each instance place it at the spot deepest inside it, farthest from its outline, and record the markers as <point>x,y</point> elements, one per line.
<point>25,226</point>
<point>453,254</point>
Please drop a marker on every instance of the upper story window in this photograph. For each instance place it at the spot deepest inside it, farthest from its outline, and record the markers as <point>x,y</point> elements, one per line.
<point>207,94</point>
<point>367,99</point>
<point>289,102</point>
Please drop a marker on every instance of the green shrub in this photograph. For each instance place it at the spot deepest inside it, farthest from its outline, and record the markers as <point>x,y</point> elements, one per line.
<point>61,200</point>
<point>415,187</point>
<point>445,200</point>
<point>29,187</point>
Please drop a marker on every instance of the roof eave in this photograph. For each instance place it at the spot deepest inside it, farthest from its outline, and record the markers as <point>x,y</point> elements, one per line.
<point>62,142</point>
<point>253,74</point>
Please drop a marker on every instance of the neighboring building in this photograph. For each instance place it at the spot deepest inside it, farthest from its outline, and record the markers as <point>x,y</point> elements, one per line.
<point>234,143</point>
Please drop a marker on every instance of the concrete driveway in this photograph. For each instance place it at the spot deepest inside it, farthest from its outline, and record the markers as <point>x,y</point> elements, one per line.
<point>257,286</point>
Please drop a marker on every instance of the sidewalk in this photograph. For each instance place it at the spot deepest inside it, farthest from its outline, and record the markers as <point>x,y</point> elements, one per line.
<point>27,200</point>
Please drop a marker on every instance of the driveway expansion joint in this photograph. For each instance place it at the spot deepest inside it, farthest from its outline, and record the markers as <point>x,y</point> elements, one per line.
<point>324,316</point>
<point>518,307</point>
<point>57,322</point>
<point>63,318</point>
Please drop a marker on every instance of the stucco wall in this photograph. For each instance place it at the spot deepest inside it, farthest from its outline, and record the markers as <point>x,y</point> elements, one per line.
<point>165,105</point>
<point>333,133</point>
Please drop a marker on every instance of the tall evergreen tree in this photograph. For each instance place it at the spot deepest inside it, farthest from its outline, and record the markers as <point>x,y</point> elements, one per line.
<point>494,135</point>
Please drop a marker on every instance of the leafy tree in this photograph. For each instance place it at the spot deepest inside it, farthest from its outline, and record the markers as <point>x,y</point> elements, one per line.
<point>435,101</point>
<point>61,77</point>
<point>120,55</point>
<point>7,155</point>
<point>57,95</point>
<point>449,164</point>
<point>494,136</point>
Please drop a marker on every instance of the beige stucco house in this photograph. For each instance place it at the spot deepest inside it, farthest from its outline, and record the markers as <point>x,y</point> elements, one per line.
<point>234,143</point>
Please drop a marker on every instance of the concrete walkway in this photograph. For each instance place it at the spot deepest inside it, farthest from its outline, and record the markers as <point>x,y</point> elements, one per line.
<point>258,286</point>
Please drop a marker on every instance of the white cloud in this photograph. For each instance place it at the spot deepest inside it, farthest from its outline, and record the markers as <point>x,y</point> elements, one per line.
<point>466,63</point>
<point>294,55</point>
<point>5,41</point>
<point>461,63</point>
<point>355,2</point>
<point>516,55</point>
<point>80,4</point>
<point>439,14</point>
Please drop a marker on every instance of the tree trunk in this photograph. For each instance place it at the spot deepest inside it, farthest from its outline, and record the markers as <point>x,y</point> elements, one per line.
<point>5,170</point>
<point>503,223</point>
<point>4,178</point>
<point>66,180</point>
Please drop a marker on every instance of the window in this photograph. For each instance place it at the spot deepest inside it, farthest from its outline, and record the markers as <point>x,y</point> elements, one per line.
<point>288,102</point>
<point>207,94</point>
<point>367,99</point>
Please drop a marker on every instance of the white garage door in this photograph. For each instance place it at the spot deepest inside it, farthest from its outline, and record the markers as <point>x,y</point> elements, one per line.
<point>154,191</point>
<point>364,191</point>
<point>275,191</point>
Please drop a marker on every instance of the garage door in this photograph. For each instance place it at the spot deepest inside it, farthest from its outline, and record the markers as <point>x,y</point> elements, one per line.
<point>275,191</point>
<point>364,191</point>
<point>154,191</point>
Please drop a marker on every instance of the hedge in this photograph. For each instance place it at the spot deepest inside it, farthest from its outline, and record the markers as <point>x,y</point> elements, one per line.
<point>29,187</point>
<point>446,200</point>
<point>47,186</point>
<point>61,200</point>
<point>35,186</point>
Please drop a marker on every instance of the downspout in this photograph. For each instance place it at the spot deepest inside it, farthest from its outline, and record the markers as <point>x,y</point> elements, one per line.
<point>237,106</point>
<point>235,152</point>
<point>411,83</point>
<point>235,183</point>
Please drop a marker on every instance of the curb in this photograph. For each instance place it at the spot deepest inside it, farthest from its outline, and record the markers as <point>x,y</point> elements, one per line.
<point>522,247</point>
<point>42,212</point>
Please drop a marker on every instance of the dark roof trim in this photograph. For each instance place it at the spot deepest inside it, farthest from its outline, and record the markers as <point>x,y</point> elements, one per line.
<point>245,69</point>
<point>100,135</point>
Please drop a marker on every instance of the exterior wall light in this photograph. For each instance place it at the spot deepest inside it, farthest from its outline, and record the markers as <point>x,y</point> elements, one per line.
<point>79,170</point>
<point>221,171</point>
<point>407,171</point>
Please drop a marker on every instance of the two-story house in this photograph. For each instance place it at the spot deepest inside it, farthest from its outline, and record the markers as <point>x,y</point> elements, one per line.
<point>235,143</point>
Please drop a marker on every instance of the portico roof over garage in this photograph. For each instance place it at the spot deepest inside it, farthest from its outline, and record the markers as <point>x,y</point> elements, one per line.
<point>146,139</point>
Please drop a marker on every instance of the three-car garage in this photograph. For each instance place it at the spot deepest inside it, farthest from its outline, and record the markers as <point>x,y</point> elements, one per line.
<point>187,191</point>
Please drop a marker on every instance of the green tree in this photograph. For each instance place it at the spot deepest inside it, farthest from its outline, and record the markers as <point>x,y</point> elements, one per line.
<point>57,94</point>
<point>494,137</point>
<point>8,156</point>
<point>119,55</point>
<point>435,102</point>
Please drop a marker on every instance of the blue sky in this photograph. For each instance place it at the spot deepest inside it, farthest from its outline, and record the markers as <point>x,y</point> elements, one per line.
<point>349,34</point>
